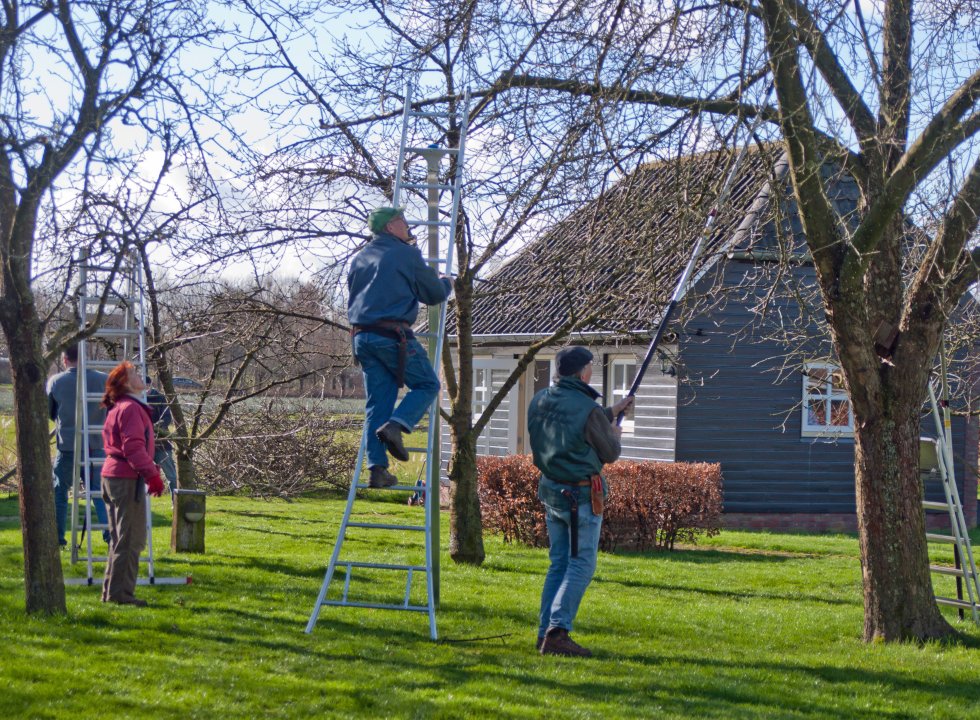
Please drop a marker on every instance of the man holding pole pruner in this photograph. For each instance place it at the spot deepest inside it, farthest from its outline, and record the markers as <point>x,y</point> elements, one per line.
<point>572,437</point>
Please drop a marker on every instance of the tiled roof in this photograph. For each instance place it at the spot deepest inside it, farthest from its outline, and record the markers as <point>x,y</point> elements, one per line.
<point>625,250</point>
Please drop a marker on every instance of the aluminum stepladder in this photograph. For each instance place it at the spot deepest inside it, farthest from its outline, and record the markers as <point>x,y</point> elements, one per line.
<point>434,188</point>
<point>120,289</point>
<point>965,570</point>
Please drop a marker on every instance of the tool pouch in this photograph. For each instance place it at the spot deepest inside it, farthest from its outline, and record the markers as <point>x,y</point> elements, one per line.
<point>598,498</point>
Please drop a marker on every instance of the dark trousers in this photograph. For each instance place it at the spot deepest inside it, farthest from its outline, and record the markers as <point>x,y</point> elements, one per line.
<point>125,501</point>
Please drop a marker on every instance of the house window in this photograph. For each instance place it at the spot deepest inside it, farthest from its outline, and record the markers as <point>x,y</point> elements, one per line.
<point>544,371</point>
<point>622,372</point>
<point>481,391</point>
<point>826,407</point>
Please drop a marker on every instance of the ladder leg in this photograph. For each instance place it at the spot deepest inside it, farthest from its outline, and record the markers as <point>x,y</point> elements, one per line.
<point>341,534</point>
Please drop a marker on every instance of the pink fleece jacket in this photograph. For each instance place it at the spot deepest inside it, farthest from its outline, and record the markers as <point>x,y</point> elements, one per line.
<point>128,439</point>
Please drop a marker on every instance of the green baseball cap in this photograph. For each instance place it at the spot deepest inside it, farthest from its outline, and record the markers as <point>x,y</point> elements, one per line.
<point>380,217</point>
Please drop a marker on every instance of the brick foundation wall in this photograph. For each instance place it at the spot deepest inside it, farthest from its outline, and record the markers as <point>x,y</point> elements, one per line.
<point>825,522</point>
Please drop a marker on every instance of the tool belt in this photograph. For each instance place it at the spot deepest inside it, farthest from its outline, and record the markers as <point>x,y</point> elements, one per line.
<point>397,330</point>
<point>596,498</point>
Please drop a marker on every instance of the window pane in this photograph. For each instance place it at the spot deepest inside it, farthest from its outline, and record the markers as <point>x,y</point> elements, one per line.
<point>839,413</point>
<point>542,374</point>
<point>816,413</point>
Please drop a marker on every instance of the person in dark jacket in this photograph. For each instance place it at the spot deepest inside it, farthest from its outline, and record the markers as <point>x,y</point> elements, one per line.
<point>387,281</point>
<point>572,437</point>
<point>127,476</point>
<point>62,389</point>
<point>163,455</point>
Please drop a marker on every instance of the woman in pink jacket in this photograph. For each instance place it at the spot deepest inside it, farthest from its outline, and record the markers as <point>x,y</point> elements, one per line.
<point>128,474</point>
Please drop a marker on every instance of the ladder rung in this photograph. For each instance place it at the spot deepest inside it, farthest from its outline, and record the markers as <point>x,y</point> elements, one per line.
<point>954,602</point>
<point>381,566</point>
<point>417,449</point>
<point>426,335</point>
<point>116,332</point>
<point>948,570</point>
<point>930,505</point>
<point>936,537</point>
<point>430,223</point>
<point>441,261</point>
<point>385,526</point>
<point>121,271</point>
<point>365,486</point>
<point>429,114</point>
<point>431,150</point>
<point>377,606</point>
<point>112,299</point>
<point>426,186</point>
<point>101,365</point>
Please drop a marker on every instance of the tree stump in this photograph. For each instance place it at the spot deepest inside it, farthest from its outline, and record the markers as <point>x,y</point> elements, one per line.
<point>187,529</point>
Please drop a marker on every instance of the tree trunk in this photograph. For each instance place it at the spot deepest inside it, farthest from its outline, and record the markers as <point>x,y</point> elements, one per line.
<point>465,520</point>
<point>43,580</point>
<point>899,603</point>
<point>187,530</point>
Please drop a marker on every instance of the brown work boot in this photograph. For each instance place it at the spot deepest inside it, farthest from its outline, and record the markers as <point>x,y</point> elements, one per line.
<point>558,642</point>
<point>538,645</point>
<point>391,435</point>
<point>381,478</point>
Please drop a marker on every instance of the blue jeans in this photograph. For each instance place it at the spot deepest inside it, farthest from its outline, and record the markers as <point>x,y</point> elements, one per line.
<point>63,466</point>
<point>164,457</point>
<point>378,357</point>
<point>568,577</point>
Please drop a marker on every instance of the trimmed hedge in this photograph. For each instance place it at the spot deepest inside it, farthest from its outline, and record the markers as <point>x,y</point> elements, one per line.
<point>651,505</point>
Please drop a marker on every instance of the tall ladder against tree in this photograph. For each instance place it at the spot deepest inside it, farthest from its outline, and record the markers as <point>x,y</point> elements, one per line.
<point>119,290</point>
<point>452,120</point>
<point>964,570</point>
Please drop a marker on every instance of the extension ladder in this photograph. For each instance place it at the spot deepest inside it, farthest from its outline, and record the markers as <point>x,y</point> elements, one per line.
<point>454,119</point>
<point>118,290</point>
<point>965,570</point>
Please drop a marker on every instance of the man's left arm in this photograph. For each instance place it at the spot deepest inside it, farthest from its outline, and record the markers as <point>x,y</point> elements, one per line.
<point>428,286</point>
<point>601,435</point>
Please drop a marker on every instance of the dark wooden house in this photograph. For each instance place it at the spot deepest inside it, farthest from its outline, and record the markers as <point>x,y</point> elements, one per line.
<point>746,378</point>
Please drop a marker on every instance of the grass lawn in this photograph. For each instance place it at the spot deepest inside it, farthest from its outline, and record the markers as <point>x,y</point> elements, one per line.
<point>751,625</point>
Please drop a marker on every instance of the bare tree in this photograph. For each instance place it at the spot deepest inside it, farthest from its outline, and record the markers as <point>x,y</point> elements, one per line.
<point>242,341</point>
<point>75,78</point>
<point>532,159</point>
<point>889,97</point>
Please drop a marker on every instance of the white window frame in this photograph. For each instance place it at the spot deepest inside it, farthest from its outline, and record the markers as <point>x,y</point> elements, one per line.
<point>828,395</point>
<point>488,365</point>
<point>617,394</point>
<point>481,391</point>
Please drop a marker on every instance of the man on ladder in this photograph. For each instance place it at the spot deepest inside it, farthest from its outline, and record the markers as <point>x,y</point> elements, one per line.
<point>386,282</point>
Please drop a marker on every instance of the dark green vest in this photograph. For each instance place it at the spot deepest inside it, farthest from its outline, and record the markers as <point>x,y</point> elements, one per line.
<point>556,422</point>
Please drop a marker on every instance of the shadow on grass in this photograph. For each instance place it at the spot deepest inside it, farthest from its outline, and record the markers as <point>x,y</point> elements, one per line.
<point>707,556</point>
<point>728,594</point>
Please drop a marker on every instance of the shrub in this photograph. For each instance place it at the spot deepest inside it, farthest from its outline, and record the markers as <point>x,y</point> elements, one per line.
<point>278,450</point>
<point>509,499</point>
<point>654,504</point>
<point>650,504</point>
